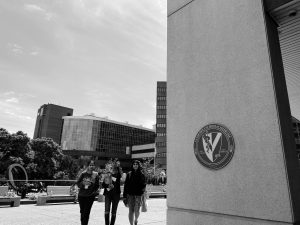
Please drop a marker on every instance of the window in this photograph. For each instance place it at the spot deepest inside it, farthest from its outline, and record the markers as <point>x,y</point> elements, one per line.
<point>161,98</point>
<point>161,107</point>
<point>161,116</point>
<point>161,89</point>
<point>161,155</point>
<point>161,144</point>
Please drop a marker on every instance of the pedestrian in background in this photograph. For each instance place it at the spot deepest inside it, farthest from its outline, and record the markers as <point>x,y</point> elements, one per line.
<point>88,184</point>
<point>112,191</point>
<point>134,188</point>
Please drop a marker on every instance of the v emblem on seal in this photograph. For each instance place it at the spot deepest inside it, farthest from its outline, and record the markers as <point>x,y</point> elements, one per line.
<point>210,143</point>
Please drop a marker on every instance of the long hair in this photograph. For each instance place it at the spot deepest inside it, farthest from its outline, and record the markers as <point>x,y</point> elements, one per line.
<point>90,161</point>
<point>139,169</point>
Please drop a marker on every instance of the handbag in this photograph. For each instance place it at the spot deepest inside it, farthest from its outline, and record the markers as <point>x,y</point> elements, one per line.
<point>101,198</point>
<point>144,203</point>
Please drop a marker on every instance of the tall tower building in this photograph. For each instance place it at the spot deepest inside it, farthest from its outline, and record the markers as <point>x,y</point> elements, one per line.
<point>49,122</point>
<point>161,124</point>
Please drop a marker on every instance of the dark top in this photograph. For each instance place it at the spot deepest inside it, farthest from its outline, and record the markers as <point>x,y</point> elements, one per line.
<point>116,183</point>
<point>90,190</point>
<point>135,184</point>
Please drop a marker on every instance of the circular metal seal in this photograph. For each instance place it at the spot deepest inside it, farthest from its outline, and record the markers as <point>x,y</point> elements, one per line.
<point>214,146</point>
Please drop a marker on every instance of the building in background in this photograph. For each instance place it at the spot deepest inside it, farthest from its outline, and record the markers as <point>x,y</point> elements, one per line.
<point>102,138</point>
<point>143,151</point>
<point>161,124</point>
<point>49,121</point>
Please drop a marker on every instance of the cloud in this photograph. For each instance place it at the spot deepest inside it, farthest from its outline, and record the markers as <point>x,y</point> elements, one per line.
<point>116,50</point>
<point>7,93</point>
<point>33,8</point>
<point>122,103</point>
<point>97,94</point>
<point>34,53</point>
<point>16,111</point>
<point>148,123</point>
<point>13,100</point>
<point>37,9</point>
<point>14,116</point>
<point>15,48</point>
<point>18,116</point>
<point>15,96</point>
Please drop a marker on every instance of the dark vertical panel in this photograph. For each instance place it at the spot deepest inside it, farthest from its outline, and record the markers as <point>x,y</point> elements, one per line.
<point>284,116</point>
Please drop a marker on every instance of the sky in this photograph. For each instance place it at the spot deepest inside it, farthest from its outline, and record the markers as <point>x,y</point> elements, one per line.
<point>95,56</point>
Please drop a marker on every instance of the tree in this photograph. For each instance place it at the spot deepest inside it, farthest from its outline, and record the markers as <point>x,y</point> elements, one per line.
<point>47,157</point>
<point>68,168</point>
<point>14,148</point>
<point>42,158</point>
<point>152,172</point>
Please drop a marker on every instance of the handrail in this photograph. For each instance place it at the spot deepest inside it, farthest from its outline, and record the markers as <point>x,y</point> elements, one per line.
<point>37,180</point>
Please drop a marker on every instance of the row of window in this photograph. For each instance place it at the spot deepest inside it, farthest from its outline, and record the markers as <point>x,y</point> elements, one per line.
<point>105,137</point>
<point>161,144</point>
<point>161,116</point>
<point>161,89</point>
<point>161,98</point>
<point>161,107</point>
<point>161,125</point>
<point>161,134</point>
<point>161,155</point>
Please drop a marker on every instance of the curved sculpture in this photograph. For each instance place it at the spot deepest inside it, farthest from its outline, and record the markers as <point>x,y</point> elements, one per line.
<point>13,167</point>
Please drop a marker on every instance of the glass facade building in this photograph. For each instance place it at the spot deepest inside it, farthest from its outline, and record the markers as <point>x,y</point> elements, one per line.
<point>102,138</point>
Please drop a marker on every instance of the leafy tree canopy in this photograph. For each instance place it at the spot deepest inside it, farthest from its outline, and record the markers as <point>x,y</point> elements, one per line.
<point>42,157</point>
<point>14,148</point>
<point>47,155</point>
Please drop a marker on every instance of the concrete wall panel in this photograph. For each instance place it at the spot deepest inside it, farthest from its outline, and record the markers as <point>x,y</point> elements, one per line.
<point>219,71</point>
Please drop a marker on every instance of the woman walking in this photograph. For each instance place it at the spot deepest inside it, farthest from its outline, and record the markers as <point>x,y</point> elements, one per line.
<point>134,188</point>
<point>88,183</point>
<point>112,191</point>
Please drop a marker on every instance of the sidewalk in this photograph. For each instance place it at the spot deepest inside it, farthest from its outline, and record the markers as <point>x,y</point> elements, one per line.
<point>68,214</point>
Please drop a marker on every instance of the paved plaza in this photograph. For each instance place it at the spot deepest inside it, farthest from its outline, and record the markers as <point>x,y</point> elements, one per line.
<point>68,214</point>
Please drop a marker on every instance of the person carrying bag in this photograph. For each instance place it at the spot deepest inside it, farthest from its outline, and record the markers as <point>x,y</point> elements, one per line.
<point>144,207</point>
<point>134,188</point>
<point>112,191</point>
<point>88,183</point>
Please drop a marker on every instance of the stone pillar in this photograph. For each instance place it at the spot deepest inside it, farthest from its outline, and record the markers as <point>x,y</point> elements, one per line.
<point>225,67</point>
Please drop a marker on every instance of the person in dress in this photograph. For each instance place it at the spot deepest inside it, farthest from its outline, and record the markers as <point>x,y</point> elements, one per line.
<point>134,188</point>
